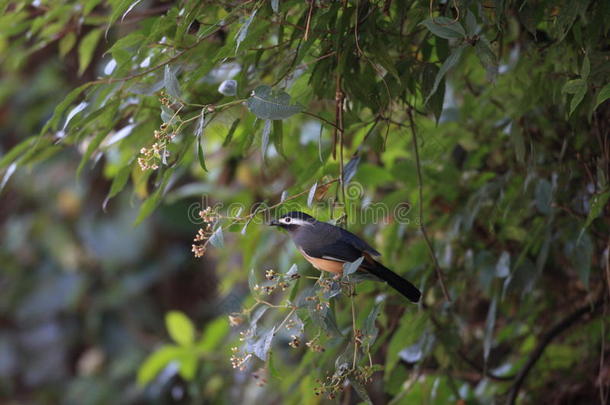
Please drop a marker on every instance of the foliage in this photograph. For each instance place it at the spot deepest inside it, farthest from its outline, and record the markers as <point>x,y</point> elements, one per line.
<point>468,140</point>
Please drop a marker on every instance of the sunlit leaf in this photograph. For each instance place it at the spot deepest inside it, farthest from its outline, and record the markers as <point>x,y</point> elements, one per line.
<point>350,169</point>
<point>118,183</point>
<point>180,328</point>
<point>7,175</point>
<point>156,362</point>
<point>243,31</point>
<point>312,194</point>
<point>86,49</point>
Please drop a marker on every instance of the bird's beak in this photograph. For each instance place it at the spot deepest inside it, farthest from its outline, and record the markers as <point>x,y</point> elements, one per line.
<point>274,222</point>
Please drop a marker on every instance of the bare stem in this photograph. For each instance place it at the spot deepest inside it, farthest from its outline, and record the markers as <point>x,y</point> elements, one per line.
<point>420,187</point>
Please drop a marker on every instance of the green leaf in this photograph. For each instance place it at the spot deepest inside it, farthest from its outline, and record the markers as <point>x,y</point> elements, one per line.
<point>586,68</point>
<point>261,347</point>
<point>265,138</point>
<point>490,323</point>
<point>544,196</point>
<point>118,183</point>
<point>252,282</point>
<point>578,87</point>
<point>580,253</point>
<point>370,330</point>
<point>603,95</point>
<point>350,169</point>
<point>450,62</point>
<point>188,365</point>
<point>66,43</point>
<point>180,328</point>
<point>199,135</point>
<point>411,327</point>
<point>243,31</point>
<point>61,107</point>
<point>471,23</point>
<point>435,103</point>
<point>170,82</point>
<point>86,49</point>
<point>351,267</point>
<point>7,175</point>
<point>445,27</point>
<point>360,390</point>
<point>312,194</point>
<point>149,205</point>
<point>231,132</point>
<point>269,105</point>
<point>278,136</point>
<point>597,205</point>
<point>104,120</point>
<point>487,57</point>
<point>120,8</point>
<point>573,86</point>
<point>273,372</point>
<point>16,151</point>
<point>156,362</point>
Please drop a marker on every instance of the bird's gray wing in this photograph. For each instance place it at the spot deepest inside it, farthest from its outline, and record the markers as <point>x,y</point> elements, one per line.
<point>334,243</point>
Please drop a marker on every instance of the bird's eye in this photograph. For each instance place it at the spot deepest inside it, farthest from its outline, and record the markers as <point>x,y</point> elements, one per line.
<point>287,220</point>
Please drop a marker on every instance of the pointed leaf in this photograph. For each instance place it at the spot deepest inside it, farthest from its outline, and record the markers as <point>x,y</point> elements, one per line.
<point>243,31</point>
<point>170,82</point>
<point>445,27</point>
<point>265,137</point>
<point>87,48</point>
<point>490,323</point>
<point>350,169</point>
<point>7,175</point>
<point>450,62</point>
<point>351,267</point>
<point>360,390</point>
<point>263,344</point>
<point>597,205</point>
<point>603,95</point>
<point>312,194</point>
<point>229,136</point>
<point>217,238</point>
<point>118,183</point>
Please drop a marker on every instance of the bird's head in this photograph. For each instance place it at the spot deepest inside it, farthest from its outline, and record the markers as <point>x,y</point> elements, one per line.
<point>293,221</point>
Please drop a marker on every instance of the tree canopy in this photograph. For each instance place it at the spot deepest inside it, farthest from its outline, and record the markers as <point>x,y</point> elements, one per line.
<point>146,144</point>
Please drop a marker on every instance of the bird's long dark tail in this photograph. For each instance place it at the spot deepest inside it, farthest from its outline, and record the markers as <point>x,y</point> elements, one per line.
<point>394,280</point>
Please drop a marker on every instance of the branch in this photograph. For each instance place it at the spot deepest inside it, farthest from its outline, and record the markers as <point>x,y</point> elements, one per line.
<point>547,338</point>
<point>420,186</point>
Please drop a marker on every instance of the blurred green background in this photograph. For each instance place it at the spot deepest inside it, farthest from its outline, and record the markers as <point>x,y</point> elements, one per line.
<point>508,104</point>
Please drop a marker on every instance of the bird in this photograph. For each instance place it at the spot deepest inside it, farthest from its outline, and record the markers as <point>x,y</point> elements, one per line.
<point>327,247</point>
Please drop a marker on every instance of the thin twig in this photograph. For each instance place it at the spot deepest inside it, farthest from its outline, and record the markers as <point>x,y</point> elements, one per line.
<point>320,118</point>
<point>420,186</point>
<point>546,339</point>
